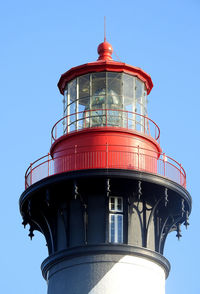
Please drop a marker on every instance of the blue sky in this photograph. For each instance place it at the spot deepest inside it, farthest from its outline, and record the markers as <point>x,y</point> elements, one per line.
<point>40,40</point>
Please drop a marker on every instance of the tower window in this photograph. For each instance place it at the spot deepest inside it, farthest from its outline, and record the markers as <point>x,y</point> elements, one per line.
<point>116,219</point>
<point>116,204</point>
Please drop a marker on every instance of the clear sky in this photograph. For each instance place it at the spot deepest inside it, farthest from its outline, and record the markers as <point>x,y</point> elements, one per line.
<point>40,40</point>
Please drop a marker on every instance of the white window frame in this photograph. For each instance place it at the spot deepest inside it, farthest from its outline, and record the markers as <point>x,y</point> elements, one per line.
<point>116,219</point>
<point>116,208</point>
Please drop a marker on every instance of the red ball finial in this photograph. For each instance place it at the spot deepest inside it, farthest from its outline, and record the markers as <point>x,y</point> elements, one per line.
<point>105,51</point>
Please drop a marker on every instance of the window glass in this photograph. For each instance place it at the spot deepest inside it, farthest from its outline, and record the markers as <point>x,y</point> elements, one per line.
<point>116,228</point>
<point>116,204</point>
<point>139,107</point>
<point>112,228</point>
<point>84,92</point>
<point>72,90</point>
<point>112,203</point>
<point>119,228</point>
<point>65,120</point>
<point>114,90</point>
<point>119,204</point>
<point>138,89</point>
<point>98,90</point>
<point>116,219</point>
<point>129,101</point>
<point>84,101</point>
<point>114,99</point>
<point>72,105</point>
<point>145,101</point>
<point>128,92</point>
<point>65,102</point>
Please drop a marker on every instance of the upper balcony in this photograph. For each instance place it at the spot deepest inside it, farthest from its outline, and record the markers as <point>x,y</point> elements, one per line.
<point>106,157</point>
<point>106,118</point>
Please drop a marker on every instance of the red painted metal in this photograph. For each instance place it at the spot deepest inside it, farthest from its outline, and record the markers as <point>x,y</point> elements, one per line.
<point>106,156</point>
<point>105,51</point>
<point>104,63</point>
<point>88,140</point>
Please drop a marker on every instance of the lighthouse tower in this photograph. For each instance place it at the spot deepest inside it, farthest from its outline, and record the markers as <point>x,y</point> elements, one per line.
<point>105,197</point>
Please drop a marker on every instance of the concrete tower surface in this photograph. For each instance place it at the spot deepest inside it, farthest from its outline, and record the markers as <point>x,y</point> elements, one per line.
<point>105,197</point>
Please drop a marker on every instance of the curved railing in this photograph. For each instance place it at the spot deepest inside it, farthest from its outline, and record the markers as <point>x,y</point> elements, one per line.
<point>105,118</point>
<point>106,156</point>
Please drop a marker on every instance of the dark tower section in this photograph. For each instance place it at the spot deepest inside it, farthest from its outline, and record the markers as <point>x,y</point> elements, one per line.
<point>105,191</point>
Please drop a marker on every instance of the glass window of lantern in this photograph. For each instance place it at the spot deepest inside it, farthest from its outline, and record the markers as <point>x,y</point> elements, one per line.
<point>98,90</point>
<point>98,100</point>
<point>129,101</point>
<point>72,92</point>
<point>84,92</point>
<point>114,90</point>
<point>145,101</point>
<point>65,120</point>
<point>84,101</point>
<point>140,105</point>
<point>114,99</point>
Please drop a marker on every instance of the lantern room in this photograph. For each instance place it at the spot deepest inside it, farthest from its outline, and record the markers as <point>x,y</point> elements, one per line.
<point>105,99</point>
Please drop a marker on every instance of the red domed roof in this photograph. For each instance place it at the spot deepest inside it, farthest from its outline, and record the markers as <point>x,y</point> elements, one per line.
<point>104,63</point>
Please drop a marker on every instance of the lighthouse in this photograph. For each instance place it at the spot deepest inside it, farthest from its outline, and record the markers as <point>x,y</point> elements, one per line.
<point>105,197</point>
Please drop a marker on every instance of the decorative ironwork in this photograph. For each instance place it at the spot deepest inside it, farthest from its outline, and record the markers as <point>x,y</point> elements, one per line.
<point>31,235</point>
<point>139,190</point>
<point>166,197</point>
<point>76,192</point>
<point>25,222</point>
<point>153,210</point>
<point>186,223</point>
<point>29,208</point>
<point>182,207</point>
<point>108,187</point>
<point>47,197</point>
<point>178,230</point>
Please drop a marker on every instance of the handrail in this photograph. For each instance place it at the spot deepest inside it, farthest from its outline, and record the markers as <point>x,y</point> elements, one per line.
<point>129,157</point>
<point>105,118</point>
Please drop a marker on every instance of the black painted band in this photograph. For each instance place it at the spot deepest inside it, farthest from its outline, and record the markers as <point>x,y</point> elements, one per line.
<point>111,173</point>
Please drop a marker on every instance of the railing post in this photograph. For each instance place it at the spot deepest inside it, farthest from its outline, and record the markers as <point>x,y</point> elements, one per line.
<point>48,164</point>
<point>85,119</point>
<point>75,151</point>
<point>180,174</point>
<point>164,159</point>
<point>144,125</point>
<point>31,179</point>
<point>106,155</point>
<point>138,157</point>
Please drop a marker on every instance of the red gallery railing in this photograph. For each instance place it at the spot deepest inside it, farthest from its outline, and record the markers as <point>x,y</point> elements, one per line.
<point>106,156</point>
<point>98,118</point>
